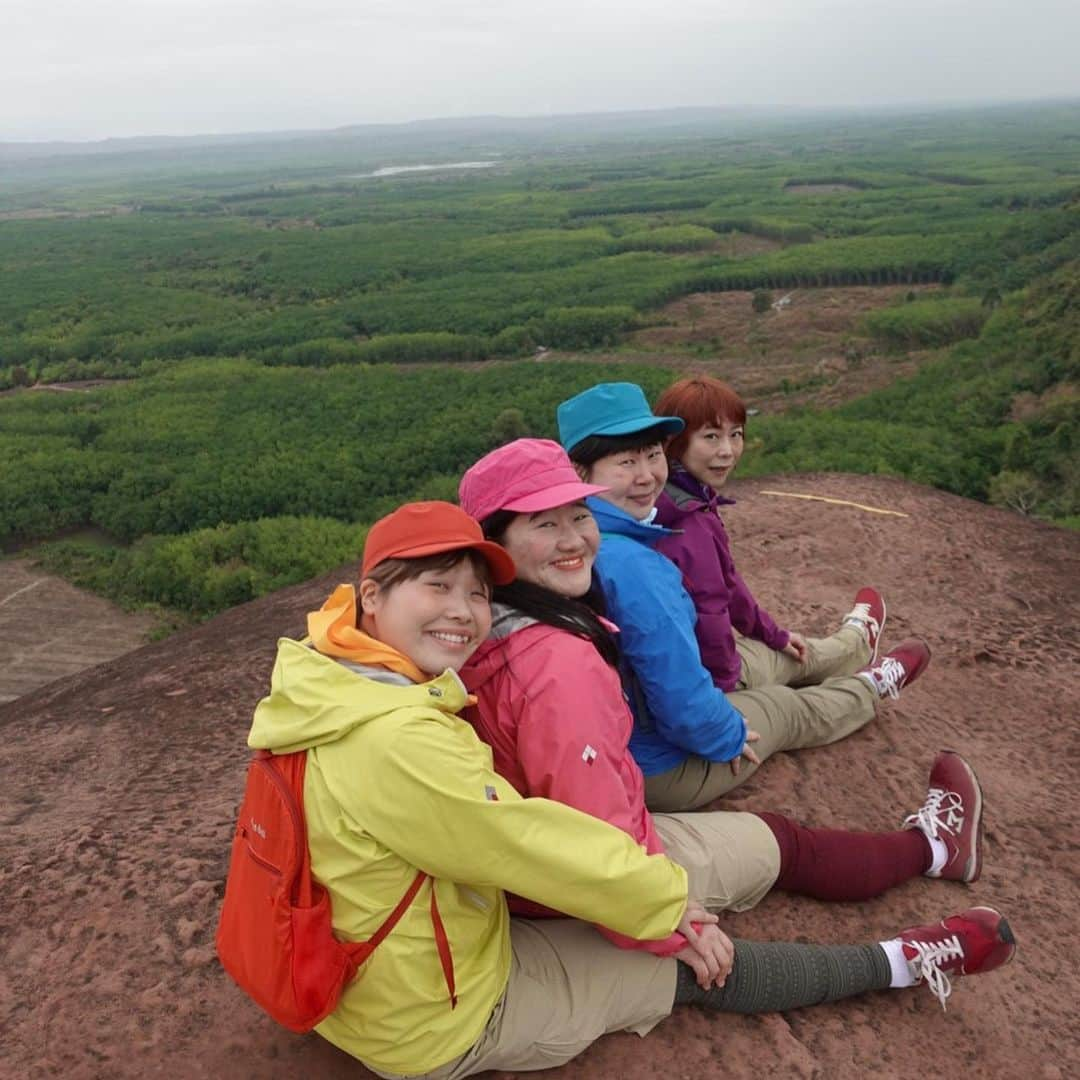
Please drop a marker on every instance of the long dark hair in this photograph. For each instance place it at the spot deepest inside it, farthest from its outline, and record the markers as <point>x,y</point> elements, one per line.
<point>578,617</point>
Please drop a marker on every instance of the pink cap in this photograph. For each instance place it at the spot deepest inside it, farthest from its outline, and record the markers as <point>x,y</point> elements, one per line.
<point>524,476</point>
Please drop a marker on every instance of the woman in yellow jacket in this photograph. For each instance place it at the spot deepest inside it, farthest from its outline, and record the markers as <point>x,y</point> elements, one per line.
<point>397,782</point>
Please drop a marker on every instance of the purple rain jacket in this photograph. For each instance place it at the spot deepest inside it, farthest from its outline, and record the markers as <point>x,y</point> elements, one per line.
<point>700,549</point>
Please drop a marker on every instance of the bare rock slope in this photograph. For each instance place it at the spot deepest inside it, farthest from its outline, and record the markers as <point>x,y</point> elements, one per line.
<point>121,784</point>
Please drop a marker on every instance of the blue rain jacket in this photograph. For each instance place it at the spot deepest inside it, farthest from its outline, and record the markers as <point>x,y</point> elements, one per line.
<point>677,709</point>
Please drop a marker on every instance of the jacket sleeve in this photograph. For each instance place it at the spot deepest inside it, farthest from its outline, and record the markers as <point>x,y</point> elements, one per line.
<point>747,615</point>
<point>572,731</point>
<point>431,796</point>
<point>695,553</point>
<point>722,599</point>
<point>656,618</point>
<point>752,620</point>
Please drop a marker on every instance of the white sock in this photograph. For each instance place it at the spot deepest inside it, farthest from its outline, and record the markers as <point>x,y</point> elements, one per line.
<point>898,965</point>
<point>869,680</point>
<point>939,854</point>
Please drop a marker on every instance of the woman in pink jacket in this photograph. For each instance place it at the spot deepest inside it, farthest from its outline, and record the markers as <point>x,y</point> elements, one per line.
<point>551,706</point>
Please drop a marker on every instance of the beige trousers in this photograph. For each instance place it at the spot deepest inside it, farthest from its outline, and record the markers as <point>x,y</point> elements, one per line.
<point>569,985</point>
<point>842,653</point>
<point>786,718</point>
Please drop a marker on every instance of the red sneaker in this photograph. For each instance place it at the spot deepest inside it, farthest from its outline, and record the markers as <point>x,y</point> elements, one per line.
<point>868,613</point>
<point>971,943</point>
<point>898,668</point>
<point>952,814</point>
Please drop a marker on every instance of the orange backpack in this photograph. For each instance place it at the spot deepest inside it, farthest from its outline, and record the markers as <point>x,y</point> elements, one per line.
<point>275,936</point>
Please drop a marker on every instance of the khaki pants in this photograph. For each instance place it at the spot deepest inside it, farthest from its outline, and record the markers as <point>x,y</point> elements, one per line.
<point>786,718</point>
<point>732,859</point>
<point>842,653</point>
<point>568,985</point>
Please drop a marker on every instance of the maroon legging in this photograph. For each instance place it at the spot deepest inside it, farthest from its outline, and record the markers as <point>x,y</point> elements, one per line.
<point>832,864</point>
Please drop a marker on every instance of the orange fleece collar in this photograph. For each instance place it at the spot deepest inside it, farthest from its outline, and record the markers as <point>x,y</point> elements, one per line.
<point>333,632</point>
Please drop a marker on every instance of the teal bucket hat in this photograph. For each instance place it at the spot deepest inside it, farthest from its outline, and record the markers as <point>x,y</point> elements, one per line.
<point>614,408</point>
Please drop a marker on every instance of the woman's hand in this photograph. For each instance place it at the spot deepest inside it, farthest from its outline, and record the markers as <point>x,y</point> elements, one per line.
<point>694,918</point>
<point>746,752</point>
<point>709,953</point>
<point>796,647</point>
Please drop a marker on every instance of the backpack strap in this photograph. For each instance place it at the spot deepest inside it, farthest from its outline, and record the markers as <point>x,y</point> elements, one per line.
<point>359,951</point>
<point>363,949</point>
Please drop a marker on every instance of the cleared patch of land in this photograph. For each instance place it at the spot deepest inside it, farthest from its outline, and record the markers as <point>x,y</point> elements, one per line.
<point>49,629</point>
<point>807,348</point>
<point>741,245</point>
<point>819,189</point>
<point>45,213</point>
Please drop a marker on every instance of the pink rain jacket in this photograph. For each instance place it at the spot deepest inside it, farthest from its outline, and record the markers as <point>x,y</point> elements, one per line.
<point>558,725</point>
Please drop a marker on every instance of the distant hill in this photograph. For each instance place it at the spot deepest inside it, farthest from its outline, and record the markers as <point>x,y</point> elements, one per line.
<point>651,120</point>
<point>691,119</point>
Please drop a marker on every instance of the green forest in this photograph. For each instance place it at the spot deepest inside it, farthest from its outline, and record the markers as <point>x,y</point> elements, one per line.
<point>255,349</point>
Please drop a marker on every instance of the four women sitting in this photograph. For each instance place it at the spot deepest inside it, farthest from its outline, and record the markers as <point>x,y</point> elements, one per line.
<point>547,807</point>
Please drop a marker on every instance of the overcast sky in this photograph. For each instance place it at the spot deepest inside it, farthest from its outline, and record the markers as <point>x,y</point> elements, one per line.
<point>89,69</point>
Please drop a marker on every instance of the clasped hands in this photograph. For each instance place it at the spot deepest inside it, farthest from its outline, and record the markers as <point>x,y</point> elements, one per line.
<point>709,951</point>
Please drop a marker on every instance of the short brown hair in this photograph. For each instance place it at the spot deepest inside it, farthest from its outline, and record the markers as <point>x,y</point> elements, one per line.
<point>700,401</point>
<point>391,572</point>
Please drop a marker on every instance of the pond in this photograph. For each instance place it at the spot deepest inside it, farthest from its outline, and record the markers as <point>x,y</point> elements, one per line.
<point>394,170</point>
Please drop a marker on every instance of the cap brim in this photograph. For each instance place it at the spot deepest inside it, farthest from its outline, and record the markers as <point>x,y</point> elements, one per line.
<point>556,495</point>
<point>668,425</point>
<point>503,570</point>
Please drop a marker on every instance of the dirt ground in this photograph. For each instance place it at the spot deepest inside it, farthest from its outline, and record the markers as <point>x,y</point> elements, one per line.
<point>121,785</point>
<point>49,629</point>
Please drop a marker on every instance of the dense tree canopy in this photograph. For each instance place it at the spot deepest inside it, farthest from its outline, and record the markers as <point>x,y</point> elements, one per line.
<point>294,348</point>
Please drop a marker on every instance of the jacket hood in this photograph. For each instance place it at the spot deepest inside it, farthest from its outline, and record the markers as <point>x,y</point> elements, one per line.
<point>618,522</point>
<point>686,494</point>
<point>315,700</point>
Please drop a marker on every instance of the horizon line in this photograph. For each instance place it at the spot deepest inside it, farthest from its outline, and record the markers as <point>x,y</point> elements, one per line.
<point>894,107</point>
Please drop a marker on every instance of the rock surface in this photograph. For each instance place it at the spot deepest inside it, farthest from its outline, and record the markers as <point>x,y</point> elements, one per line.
<point>121,785</point>
<point>49,629</point>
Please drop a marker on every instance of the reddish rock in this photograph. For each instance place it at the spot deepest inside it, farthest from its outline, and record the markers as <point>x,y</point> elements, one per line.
<point>118,802</point>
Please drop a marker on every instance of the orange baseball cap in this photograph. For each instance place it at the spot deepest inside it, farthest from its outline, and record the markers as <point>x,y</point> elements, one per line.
<point>429,528</point>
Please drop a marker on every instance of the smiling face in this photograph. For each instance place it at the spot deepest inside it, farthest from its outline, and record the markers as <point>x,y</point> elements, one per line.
<point>634,478</point>
<point>554,548</point>
<point>437,619</point>
<point>713,451</point>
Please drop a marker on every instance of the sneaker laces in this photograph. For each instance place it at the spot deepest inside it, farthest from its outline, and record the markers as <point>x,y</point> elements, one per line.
<point>943,811</point>
<point>860,613</point>
<point>889,676</point>
<point>926,964</point>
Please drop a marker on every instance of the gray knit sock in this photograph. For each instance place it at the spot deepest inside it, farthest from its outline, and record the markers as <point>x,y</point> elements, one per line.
<point>772,976</point>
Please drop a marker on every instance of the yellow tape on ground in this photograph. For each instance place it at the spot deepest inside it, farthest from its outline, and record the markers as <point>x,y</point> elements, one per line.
<point>836,502</point>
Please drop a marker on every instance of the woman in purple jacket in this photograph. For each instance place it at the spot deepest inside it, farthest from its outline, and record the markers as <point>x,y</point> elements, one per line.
<point>741,644</point>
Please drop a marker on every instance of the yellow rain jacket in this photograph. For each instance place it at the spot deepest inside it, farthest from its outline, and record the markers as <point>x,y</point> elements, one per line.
<point>397,782</point>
